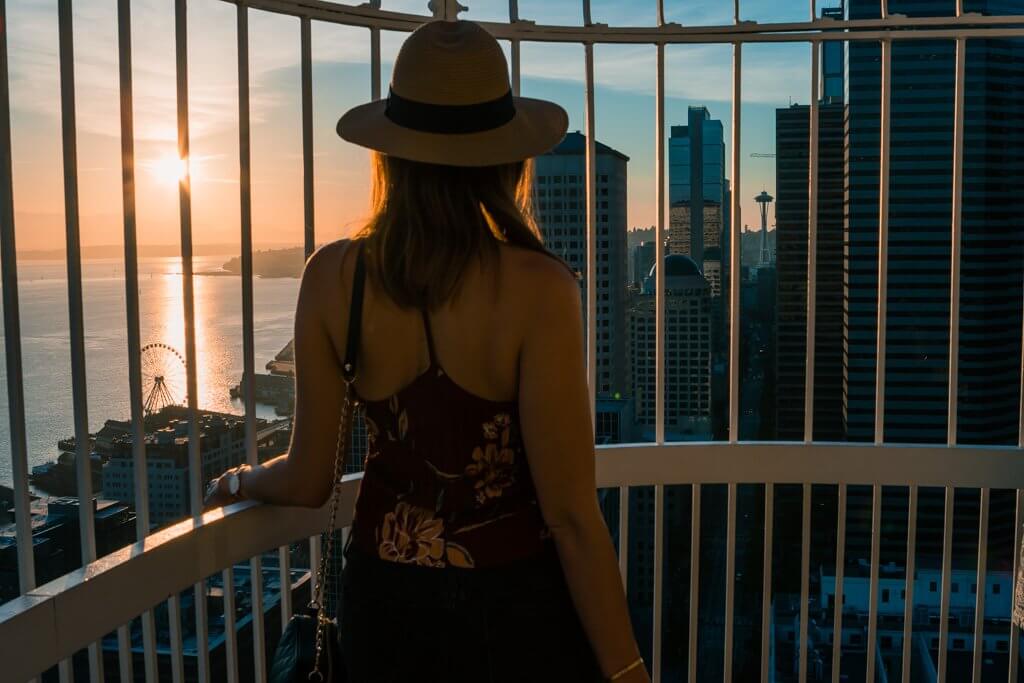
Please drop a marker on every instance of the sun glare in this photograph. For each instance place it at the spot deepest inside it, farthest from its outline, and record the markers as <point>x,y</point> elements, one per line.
<point>169,169</point>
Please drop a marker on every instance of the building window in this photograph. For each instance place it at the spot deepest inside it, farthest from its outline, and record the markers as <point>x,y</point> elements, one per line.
<point>996,588</point>
<point>932,587</point>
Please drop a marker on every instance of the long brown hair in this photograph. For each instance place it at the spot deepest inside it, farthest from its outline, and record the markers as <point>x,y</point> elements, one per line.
<point>431,221</point>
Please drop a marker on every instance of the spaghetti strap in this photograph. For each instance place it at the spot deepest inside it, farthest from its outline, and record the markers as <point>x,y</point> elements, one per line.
<point>349,364</point>
<point>430,338</point>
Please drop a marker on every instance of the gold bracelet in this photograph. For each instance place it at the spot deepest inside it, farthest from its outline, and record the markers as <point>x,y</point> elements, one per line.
<point>622,672</point>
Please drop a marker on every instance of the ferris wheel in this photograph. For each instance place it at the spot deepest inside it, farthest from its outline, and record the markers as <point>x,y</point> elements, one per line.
<point>163,377</point>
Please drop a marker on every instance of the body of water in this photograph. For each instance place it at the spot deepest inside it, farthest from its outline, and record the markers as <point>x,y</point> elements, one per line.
<point>46,344</point>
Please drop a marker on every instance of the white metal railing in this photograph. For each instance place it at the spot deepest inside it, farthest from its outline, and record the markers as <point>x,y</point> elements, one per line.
<point>52,622</point>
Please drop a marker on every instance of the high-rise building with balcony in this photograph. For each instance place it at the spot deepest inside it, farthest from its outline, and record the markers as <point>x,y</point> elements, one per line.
<point>920,210</point>
<point>792,146</point>
<point>561,210</point>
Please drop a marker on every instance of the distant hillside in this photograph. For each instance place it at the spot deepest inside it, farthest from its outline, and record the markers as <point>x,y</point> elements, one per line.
<point>272,263</point>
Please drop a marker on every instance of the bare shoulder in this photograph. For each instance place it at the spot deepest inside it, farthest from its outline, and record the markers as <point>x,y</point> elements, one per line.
<point>326,263</point>
<point>541,279</point>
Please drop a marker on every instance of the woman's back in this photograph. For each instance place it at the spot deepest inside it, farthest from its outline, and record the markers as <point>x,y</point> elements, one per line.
<point>446,481</point>
<point>478,333</point>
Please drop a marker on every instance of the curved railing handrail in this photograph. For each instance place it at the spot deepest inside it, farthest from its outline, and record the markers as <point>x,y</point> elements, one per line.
<point>367,16</point>
<point>53,621</point>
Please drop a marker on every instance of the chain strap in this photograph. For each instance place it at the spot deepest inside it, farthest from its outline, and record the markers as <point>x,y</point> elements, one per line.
<point>344,430</point>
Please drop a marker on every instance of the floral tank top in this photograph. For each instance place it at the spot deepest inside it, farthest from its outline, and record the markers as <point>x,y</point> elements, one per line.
<point>445,480</point>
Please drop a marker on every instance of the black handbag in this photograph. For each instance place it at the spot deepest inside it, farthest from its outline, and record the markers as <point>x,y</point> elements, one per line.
<point>309,649</point>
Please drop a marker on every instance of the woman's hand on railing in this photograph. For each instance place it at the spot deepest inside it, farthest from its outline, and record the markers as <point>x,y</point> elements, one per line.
<point>225,489</point>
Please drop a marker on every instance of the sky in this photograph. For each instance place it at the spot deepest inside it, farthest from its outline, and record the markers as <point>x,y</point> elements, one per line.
<point>773,76</point>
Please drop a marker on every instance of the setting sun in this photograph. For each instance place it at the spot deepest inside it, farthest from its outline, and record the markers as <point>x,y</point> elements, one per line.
<point>169,169</point>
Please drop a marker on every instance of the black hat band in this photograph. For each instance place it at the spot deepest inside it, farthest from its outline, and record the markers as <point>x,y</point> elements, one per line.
<point>450,119</point>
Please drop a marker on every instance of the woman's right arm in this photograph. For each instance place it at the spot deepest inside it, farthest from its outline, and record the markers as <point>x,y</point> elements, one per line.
<point>559,439</point>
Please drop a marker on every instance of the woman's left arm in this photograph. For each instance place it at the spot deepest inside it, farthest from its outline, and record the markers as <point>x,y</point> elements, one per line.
<point>303,476</point>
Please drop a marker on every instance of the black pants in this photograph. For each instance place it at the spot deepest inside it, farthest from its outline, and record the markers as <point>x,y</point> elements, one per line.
<point>514,623</point>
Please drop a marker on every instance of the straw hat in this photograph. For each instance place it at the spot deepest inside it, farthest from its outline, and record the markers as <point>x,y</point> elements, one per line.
<point>450,103</point>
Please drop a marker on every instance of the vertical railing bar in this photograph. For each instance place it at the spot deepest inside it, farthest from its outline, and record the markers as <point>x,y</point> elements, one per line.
<point>691,662</point>
<point>12,329</point>
<point>736,11</point>
<point>908,600</point>
<point>1014,649</point>
<point>314,562</point>
<point>309,236</point>
<point>624,534</point>
<point>883,241</point>
<point>174,627</point>
<point>248,344</point>
<point>947,572</point>
<point>64,671</point>
<point>659,250</point>
<point>979,595</point>
<point>76,317</point>
<point>124,652</point>
<point>876,537</point>
<point>956,242</point>
<point>375,64</point>
<point>730,580</point>
<point>285,572</point>
<point>513,17</point>
<point>590,282</point>
<point>837,613</point>
<point>587,17</point>
<point>258,632</point>
<point>734,248</point>
<point>515,68</point>
<point>812,245</point>
<point>195,459</point>
<point>307,138</point>
<point>149,646</point>
<point>885,9</point>
<point>805,580</point>
<point>659,554</point>
<point>131,285</point>
<point>766,582</point>
<point>661,12</point>
<point>230,626</point>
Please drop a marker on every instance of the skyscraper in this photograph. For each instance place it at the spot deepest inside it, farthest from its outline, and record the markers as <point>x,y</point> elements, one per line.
<point>696,158</point>
<point>561,206</point>
<point>920,210</point>
<point>792,145</point>
<point>687,351</point>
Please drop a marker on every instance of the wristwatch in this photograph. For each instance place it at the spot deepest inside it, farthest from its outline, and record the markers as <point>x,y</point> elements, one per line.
<point>234,481</point>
